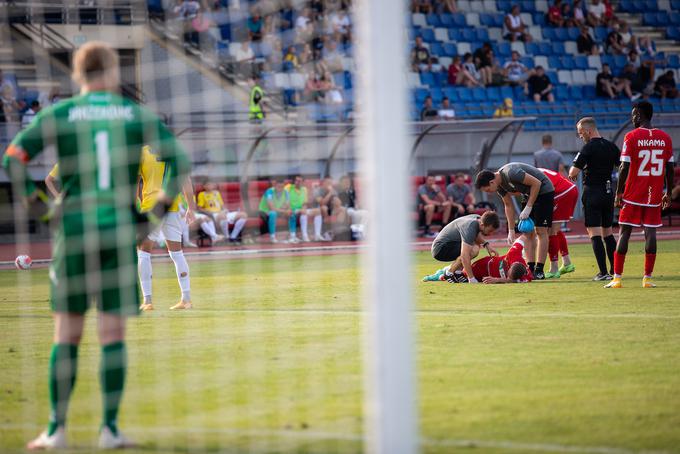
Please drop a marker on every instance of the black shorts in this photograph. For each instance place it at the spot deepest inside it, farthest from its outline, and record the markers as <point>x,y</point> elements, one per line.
<point>446,251</point>
<point>598,206</point>
<point>542,212</point>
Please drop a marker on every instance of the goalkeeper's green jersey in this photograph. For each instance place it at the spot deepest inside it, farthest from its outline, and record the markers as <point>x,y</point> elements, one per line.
<point>98,139</point>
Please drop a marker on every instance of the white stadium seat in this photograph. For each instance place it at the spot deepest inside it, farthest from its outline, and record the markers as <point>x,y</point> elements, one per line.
<point>564,77</point>
<point>594,61</point>
<point>578,77</point>
<point>419,20</point>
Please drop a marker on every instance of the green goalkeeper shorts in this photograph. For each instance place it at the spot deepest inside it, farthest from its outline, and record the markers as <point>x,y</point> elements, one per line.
<point>99,267</point>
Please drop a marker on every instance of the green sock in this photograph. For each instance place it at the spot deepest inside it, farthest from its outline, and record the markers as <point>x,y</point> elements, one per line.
<point>112,377</point>
<point>63,367</point>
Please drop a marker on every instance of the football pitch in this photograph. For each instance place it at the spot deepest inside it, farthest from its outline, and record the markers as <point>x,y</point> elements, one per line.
<point>270,360</point>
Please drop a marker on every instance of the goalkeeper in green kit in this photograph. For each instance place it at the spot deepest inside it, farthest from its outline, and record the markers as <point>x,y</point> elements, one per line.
<point>98,137</point>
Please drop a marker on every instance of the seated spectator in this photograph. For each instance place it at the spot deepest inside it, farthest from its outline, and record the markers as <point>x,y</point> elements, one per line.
<point>458,75</point>
<point>607,86</point>
<point>446,112</point>
<point>428,113</point>
<point>358,218</point>
<point>665,86</point>
<point>255,24</point>
<point>609,16</point>
<point>299,205</point>
<point>332,92</point>
<point>483,58</point>
<point>614,42</point>
<point>596,14</point>
<point>290,61</point>
<point>30,114</point>
<point>275,202</point>
<point>586,44</point>
<point>634,59</point>
<point>209,202</point>
<point>327,200</point>
<point>461,196</point>
<point>513,27</point>
<point>332,56</point>
<point>245,59</point>
<point>10,106</point>
<point>422,6</point>
<point>420,56</point>
<point>313,91</point>
<point>471,68</point>
<point>554,14</point>
<point>575,13</point>
<point>505,110</point>
<point>431,199</point>
<point>514,70</point>
<point>342,26</point>
<point>446,6</point>
<point>639,80</point>
<point>304,27</point>
<point>539,87</point>
<point>186,11</point>
<point>201,221</point>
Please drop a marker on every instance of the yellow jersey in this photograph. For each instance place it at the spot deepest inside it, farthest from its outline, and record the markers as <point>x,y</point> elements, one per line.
<point>210,201</point>
<point>152,173</point>
<point>54,173</point>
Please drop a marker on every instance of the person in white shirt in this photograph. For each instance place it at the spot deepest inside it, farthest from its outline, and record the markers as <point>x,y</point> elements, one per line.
<point>30,114</point>
<point>596,12</point>
<point>513,27</point>
<point>446,112</point>
<point>514,70</point>
<point>244,57</point>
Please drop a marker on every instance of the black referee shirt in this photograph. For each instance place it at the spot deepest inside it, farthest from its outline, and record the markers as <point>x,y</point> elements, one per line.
<point>597,159</point>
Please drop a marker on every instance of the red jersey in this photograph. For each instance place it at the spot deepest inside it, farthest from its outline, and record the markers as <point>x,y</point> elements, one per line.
<point>499,266</point>
<point>562,185</point>
<point>647,151</point>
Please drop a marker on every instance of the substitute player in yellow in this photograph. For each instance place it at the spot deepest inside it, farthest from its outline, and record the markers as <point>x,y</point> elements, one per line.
<point>151,174</point>
<point>210,202</point>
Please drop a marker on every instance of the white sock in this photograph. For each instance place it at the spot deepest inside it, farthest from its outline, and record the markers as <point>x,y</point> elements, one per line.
<point>144,270</point>
<point>209,228</point>
<point>182,270</point>
<point>238,226</point>
<point>303,225</point>
<point>224,225</point>
<point>318,223</point>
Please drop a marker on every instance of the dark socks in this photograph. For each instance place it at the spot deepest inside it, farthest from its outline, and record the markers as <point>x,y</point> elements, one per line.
<point>532,266</point>
<point>610,244</point>
<point>600,254</point>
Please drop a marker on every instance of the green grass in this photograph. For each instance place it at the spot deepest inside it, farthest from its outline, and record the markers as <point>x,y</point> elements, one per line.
<point>270,361</point>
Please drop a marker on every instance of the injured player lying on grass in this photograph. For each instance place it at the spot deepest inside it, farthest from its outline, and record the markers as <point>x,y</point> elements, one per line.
<point>500,269</point>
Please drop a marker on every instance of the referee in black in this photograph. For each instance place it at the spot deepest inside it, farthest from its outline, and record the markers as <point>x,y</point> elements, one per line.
<point>597,159</point>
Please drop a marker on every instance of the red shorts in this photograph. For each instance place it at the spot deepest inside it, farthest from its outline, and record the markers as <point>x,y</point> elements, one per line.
<point>640,216</point>
<point>565,205</point>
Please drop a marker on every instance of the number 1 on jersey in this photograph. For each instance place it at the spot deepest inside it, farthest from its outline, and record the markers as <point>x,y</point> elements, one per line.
<point>101,139</point>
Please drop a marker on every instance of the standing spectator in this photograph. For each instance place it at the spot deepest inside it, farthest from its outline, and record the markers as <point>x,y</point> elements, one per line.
<point>538,86</point>
<point>483,58</point>
<point>255,24</point>
<point>257,104</point>
<point>554,14</point>
<point>586,44</point>
<point>431,199</point>
<point>505,109</point>
<point>513,27</point>
<point>275,202</point>
<point>665,86</point>
<point>32,112</point>
<point>614,42</point>
<point>608,86</point>
<point>461,196</point>
<point>428,112</point>
<point>446,112</point>
<point>549,158</point>
<point>596,14</point>
<point>420,56</point>
<point>514,70</point>
<point>471,68</point>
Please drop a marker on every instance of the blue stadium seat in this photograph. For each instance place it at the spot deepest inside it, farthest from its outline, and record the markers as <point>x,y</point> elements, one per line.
<point>454,34</point>
<point>441,78</point>
<point>650,19</point>
<point>504,49</point>
<point>674,61</point>
<point>620,61</point>
<point>479,94</point>
<point>600,33</point>
<point>482,34</point>
<point>626,6</point>
<point>474,110</point>
<point>663,19</point>
<point>427,79</point>
<point>528,62</point>
<point>675,17</point>
<point>450,49</point>
<point>468,34</point>
<point>651,5</point>
<point>539,19</point>
<point>528,6</point>
<point>433,20</point>
<point>675,4</point>
<point>421,94</point>
<point>437,95</point>
<point>554,62</point>
<point>589,92</point>
<point>464,94</point>
<point>558,48</point>
<point>581,62</point>
<point>567,62</point>
<point>531,48</point>
<point>519,110</point>
<point>504,5</point>
<point>486,20</point>
<point>225,32</point>
<point>545,48</point>
<point>427,34</point>
<point>494,94</point>
<point>530,108</point>
<point>451,93</point>
<point>447,20</point>
<point>498,20</point>
<point>506,92</point>
<point>436,49</point>
<point>459,20</point>
<point>573,33</point>
<point>561,34</point>
<point>549,34</point>
<point>576,92</point>
<point>561,92</point>
<point>518,92</point>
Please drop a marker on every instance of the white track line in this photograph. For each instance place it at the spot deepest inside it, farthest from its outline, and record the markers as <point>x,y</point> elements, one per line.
<point>321,435</point>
